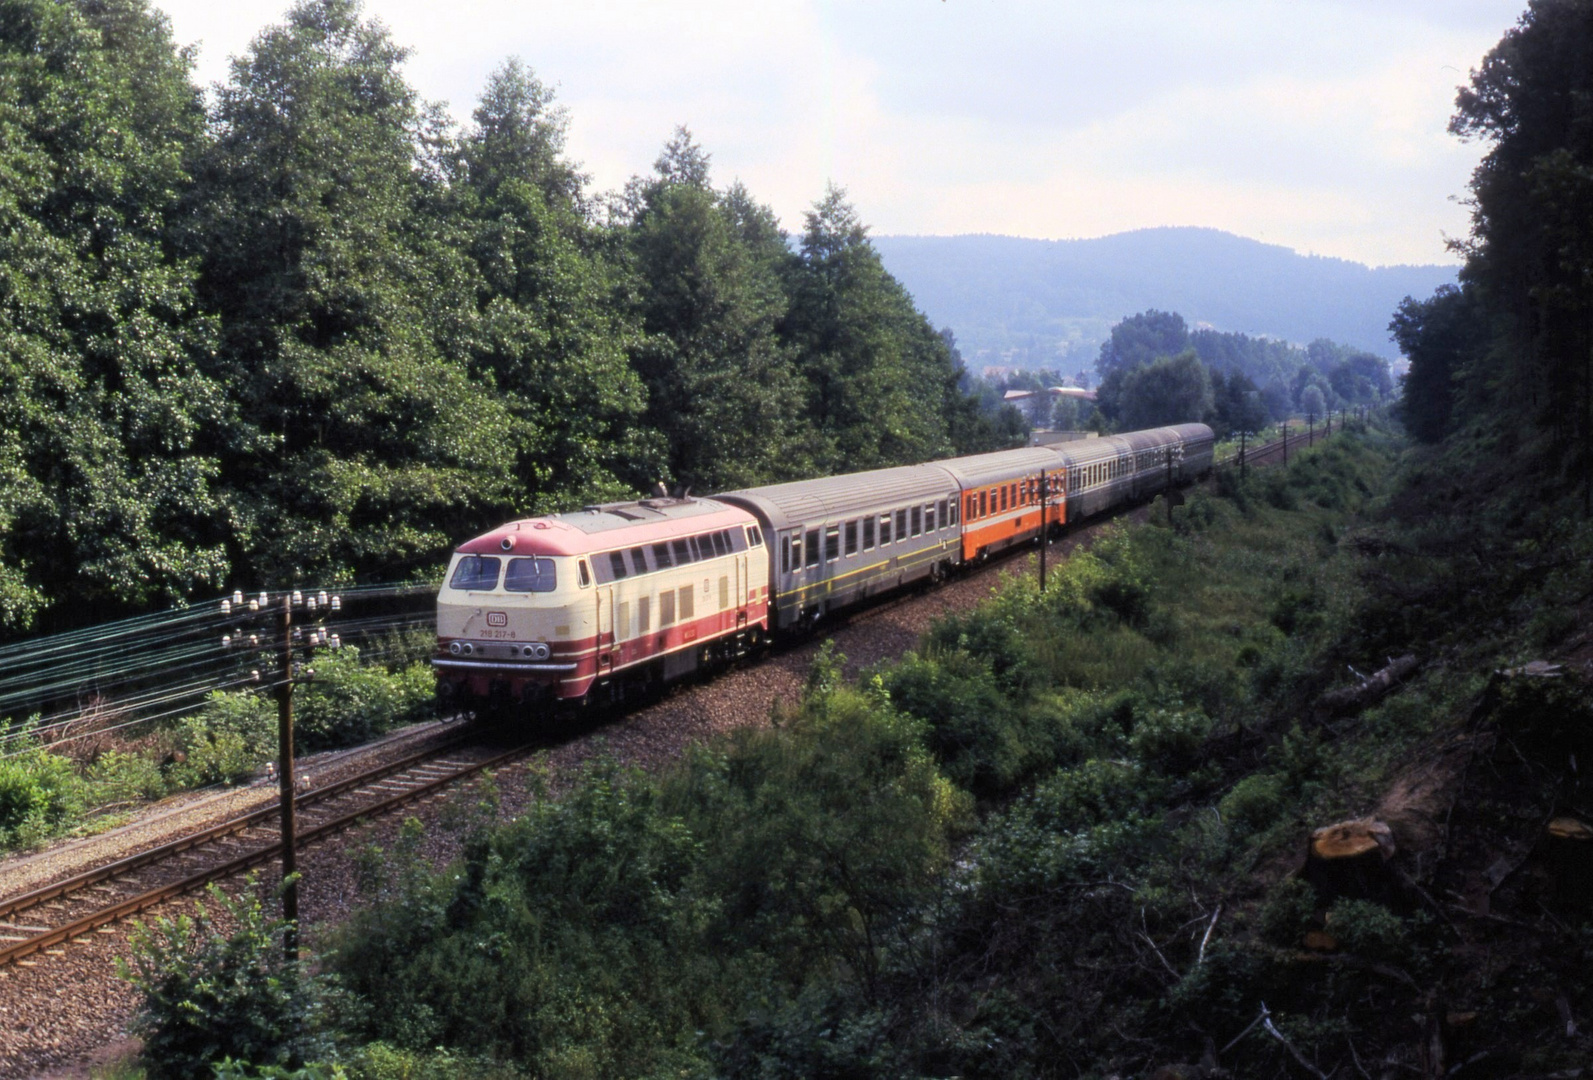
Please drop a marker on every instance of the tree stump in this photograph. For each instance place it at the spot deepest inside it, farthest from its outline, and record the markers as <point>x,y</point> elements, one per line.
<point>1569,843</point>
<point>1350,860</point>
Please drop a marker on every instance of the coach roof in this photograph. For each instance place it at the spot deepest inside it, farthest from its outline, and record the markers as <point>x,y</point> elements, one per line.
<point>834,498</point>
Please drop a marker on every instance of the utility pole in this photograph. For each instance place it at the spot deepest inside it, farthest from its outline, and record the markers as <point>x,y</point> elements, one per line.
<point>1241,455</point>
<point>290,884</point>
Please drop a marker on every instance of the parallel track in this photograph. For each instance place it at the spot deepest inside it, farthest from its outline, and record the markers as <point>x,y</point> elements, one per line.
<point>56,912</point>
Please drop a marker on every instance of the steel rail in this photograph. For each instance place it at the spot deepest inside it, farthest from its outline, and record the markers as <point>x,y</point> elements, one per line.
<point>149,898</point>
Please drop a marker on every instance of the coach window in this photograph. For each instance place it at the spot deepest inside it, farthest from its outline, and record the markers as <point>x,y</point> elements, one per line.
<point>792,547</point>
<point>813,547</point>
<point>973,505</point>
<point>918,520</point>
<point>884,529</point>
<point>851,537</point>
<point>477,573</point>
<point>832,543</point>
<point>901,525</point>
<point>661,559</point>
<point>586,575</point>
<point>1003,503</point>
<point>929,518</point>
<point>984,503</point>
<point>868,533</point>
<point>955,506</point>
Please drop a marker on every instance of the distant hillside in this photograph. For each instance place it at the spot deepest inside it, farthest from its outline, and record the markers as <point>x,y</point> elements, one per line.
<point>1050,303</point>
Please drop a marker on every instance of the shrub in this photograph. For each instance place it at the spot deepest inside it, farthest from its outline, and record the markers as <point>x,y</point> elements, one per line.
<point>227,739</point>
<point>39,792</point>
<point>1288,911</point>
<point>1369,929</point>
<point>977,732</point>
<point>1254,803</point>
<point>209,995</point>
<point>348,703</point>
<point>117,777</point>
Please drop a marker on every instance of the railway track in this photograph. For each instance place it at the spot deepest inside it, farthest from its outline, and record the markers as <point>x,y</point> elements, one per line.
<point>46,919</point>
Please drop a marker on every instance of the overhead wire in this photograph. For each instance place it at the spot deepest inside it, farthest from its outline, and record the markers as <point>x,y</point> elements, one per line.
<point>150,668</point>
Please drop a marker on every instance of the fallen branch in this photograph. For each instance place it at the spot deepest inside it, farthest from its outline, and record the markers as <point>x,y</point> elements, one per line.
<point>1271,1029</point>
<point>1200,957</point>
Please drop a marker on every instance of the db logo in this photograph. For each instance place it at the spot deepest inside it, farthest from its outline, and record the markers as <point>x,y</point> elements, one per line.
<point>497,618</point>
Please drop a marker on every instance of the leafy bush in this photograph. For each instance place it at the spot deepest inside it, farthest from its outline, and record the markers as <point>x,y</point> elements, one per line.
<point>39,792</point>
<point>117,777</point>
<point>1369,929</point>
<point>347,703</point>
<point>209,995</point>
<point>1254,803</point>
<point>227,740</point>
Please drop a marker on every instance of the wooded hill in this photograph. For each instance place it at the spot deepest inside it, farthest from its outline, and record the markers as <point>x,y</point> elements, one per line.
<point>312,331</point>
<point>1050,303</point>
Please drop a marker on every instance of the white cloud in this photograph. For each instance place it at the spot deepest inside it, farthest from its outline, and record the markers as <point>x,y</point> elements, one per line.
<point>1317,123</point>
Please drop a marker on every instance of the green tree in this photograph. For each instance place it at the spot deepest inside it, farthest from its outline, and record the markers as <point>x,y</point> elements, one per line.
<point>721,383</point>
<point>107,425</point>
<point>547,336</point>
<point>1439,335</point>
<point>347,309</point>
<point>1172,390</point>
<point>1531,248</point>
<point>1140,339</point>
<point>881,381</point>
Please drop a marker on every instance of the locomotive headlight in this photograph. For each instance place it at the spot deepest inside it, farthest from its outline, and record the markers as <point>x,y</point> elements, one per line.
<point>454,647</point>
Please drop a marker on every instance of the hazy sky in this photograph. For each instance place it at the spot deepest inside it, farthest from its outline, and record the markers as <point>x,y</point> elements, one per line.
<point>1318,125</point>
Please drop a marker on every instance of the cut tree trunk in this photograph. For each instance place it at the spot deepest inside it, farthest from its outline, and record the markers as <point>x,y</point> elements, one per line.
<point>1350,860</point>
<point>1569,844</point>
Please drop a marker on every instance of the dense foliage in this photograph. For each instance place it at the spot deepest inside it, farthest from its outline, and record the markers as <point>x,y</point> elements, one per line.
<point>312,330</point>
<point>1155,371</point>
<point>1510,352</point>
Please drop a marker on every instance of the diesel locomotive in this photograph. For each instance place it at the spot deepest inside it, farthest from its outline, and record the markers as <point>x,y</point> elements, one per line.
<point>591,605</point>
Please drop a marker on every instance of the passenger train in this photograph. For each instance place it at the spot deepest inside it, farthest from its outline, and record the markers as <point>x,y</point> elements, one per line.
<point>588,606</point>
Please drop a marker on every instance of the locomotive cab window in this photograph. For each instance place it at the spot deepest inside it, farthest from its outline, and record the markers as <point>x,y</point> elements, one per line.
<point>754,536</point>
<point>528,575</point>
<point>586,575</point>
<point>476,573</point>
